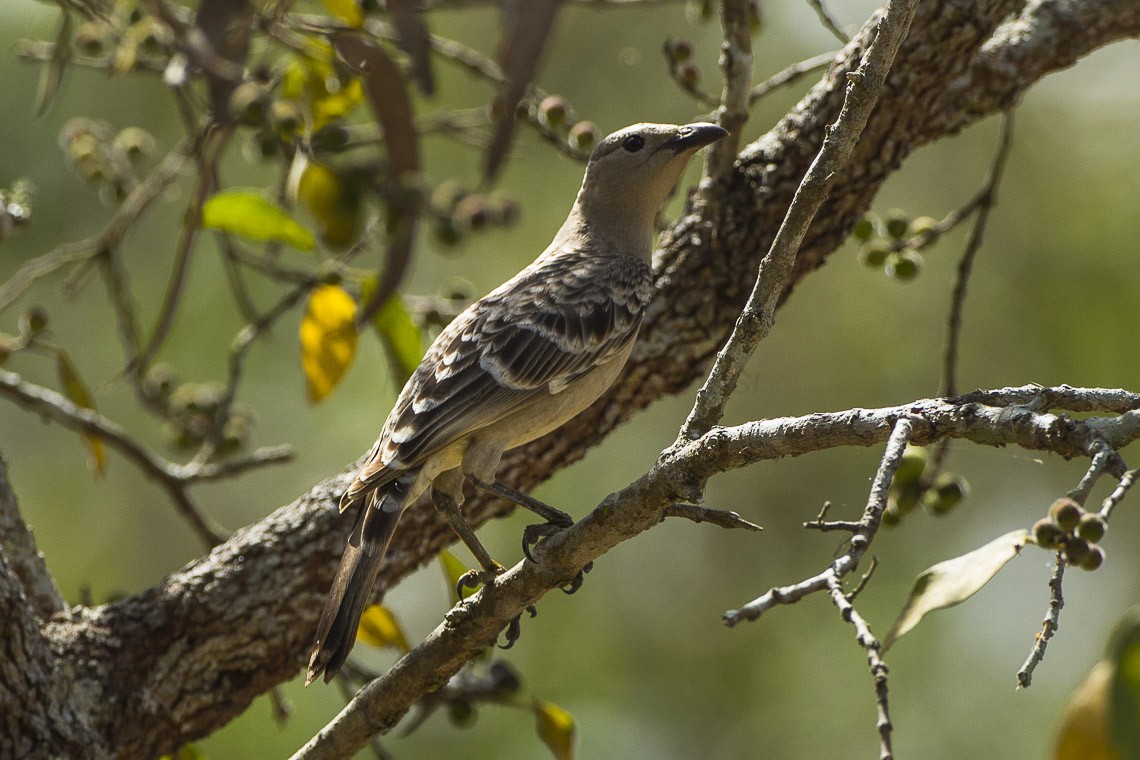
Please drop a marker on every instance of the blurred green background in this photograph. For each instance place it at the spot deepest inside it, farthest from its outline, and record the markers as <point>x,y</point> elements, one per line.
<point>639,656</point>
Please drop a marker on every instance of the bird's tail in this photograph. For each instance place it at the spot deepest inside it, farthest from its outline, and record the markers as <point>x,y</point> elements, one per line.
<point>379,513</point>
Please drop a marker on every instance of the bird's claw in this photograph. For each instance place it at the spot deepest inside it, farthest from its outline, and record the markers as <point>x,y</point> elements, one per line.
<point>514,628</point>
<point>532,534</point>
<point>473,578</point>
<point>578,579</point>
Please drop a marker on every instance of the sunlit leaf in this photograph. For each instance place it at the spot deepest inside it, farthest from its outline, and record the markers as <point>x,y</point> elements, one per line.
<point>955,580</point>
<point>1082,727</point>
<point>187,752</point>
<point>332,201</point>
<point>348,11</point>
<point>454,569</point>
<point>77,392</point>
<point>328,339</point>
<point>402,339</point>
<point>247,213</point>
<point>1124,689</point>
<point>312,78</point>
<point>379,628</point>
<point>556,729</point>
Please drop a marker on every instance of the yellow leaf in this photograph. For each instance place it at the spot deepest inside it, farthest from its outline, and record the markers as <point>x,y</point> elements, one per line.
<point>77,392</point>
<point>379,628</point>
<point>556,729</point>
<point>328,339</point>
<point>332,201</point>
<point>454,568</point>
<point>247,213</point>
<point>1082,728</point>
<point>347,11</point>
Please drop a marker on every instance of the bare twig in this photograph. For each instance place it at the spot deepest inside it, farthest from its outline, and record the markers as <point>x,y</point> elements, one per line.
<point>1048,627</point>
<point>720,517</point>
<point>985,202</point>
<point>828,21</point>
<point>1127,480</point>
<point>736,63</point>
<point>758,317</point>
<point>791,74</point>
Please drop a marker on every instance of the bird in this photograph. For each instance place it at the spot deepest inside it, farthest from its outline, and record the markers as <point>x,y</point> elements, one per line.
<point>514,366</point>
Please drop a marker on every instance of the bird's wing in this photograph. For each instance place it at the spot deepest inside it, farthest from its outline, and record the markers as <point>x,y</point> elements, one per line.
<point>553,323</point>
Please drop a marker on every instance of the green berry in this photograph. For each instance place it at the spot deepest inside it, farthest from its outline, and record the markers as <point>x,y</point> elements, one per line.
<point>911,465</point>
<point>1046,534</point>
<point>552,111</point>
<point>904,265</point>
<point>331,138</point>
<point>1076,550</point>
<point>679,51</point>
<point>461,713</point>
<point>91,39</point>
<point>920,225</point>
<point>1093,560</point>
<point>583,136</point>
<point>896,222</point>
<point>949,489</point>
<point>249,103</point>
<point>863,229</point>
<point>134,142</point>
<point>874,255</point>
<point>1065,514</point>
<point>286,116</point>
<point>473,212</point>
<point>891,516</point>
<point>1091,527</point>
<point>689,74</point>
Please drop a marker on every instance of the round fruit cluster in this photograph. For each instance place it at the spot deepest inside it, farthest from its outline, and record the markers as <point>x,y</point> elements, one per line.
<point>1072,531</point>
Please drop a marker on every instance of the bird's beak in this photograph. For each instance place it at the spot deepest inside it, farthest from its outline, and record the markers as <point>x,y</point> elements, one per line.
<point>694,136</point>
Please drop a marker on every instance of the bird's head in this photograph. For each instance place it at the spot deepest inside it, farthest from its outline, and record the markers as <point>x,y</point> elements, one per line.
<point>632,171</point>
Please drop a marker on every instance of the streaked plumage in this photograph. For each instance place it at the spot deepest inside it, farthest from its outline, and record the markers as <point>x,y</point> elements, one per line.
<point>515,364</point>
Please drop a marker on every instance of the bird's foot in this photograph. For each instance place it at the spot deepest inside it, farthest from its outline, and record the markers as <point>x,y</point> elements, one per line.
<point>514,628</point>
<point>473,578</point>
<point>533,534</point>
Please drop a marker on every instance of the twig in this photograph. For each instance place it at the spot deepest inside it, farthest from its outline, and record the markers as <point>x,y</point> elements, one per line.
<point>827,526</point>
<point>736,63</point>
<point>874,650</point>
<point>1096,468</point>
<point>791,74</point>
<point>860,540</point>
<point>1127,480</point>
<point>828,21</point>
<point>1048,626</point>
<point>985,202</point>
<point>720,517</point>
<point>128,213</point>
<point>758,317</point>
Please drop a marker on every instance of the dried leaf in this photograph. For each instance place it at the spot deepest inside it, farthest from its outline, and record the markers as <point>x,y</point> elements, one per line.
<point>52,75</point>
<point>955,580</point>
<point>222,48</point>
<point>1082,727</point>
<point>247,213</point>
<point>379,628</point>
<point>414,39</point>
<point>77,392</point>
<point>328,339</point>
<point>526,26</point>
<point>556,729</point>
<point>454,568</point>
<point>401,337</point>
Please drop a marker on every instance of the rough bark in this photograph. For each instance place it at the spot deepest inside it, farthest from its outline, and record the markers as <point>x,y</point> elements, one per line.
<point>141,676</point>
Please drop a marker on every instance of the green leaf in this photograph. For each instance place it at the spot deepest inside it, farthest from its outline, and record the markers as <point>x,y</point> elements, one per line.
<point>402,339</point>
<point>556,729</point>
<point>187,752</point>
<point>247,213</point>
<point>379,628</point>
<point>1124,688</point>
<point>77,392</point>
<point>454,568</point>
<point>1082,726</point>
<point>955,580</point>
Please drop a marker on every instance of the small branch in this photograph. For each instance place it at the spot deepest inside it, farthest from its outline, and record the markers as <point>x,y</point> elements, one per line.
<point>26,561</point>
<point>736,63</point>
<point>985,203</point>
<point>829,22</point>
<point>791,74</point>
<point>1127,480</point>
<point>1097,466</point>
<point>827,526</point>
<point>874,650</point>
<point>1048,627</point>
<point>720,517</point>
<point>758,317</point>
<point>860,540</point>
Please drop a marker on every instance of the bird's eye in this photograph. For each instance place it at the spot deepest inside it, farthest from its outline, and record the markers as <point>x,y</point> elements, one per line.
<point>633,143</point>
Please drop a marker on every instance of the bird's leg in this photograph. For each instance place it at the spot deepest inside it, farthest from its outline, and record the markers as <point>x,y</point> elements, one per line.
<point>556,520</point>
<point>449,504</point>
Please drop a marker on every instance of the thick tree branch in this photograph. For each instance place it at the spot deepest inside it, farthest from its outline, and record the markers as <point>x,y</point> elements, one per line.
<point>24,559</point>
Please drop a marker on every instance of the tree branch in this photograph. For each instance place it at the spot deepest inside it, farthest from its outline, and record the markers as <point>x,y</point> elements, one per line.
<point>25,560</point>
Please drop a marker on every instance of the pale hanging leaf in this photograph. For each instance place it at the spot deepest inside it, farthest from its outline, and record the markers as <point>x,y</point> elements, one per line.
<point>556,729</point>
<point>1082,727</point>
<point>52,75</point>
<point>1124,688</point>
<point>955,580</point>
<point>402,339</point>
<point>414,39</point>
<point>379,629</point>
<point>454,569</point>
<point>77,392</point>
<point>247,213</point>
<point>526,26</point>
<point>328,339</point>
